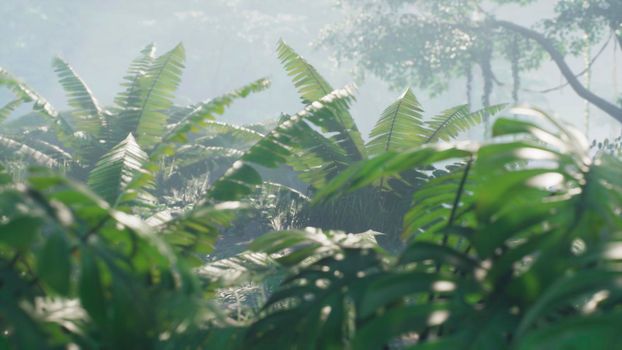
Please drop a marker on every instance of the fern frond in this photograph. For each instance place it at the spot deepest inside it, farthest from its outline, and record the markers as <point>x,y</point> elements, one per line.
<point>228,135</point>
<point>116,169</point>
<point>312,86</point>
<point>454,121</point>
<point>237,131</point>
<point>440,202</point>
<point>198,230</point>
<point>202,115</point>
<point>26,94</point>
<point>17,147</point>
<point>155,96</point>
<point>241,268</point>
<point>400,126</point>
<point>138,68</point>
<point>273,150</point>
<point>85,108</point>
<point>191,154</point>
<point>8,108</point>
<point>317,158</point>
<point>55,151</point>
<point>129,101</point>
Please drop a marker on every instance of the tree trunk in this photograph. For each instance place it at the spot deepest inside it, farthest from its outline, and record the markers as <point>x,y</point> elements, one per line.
<point>487,75</point>
<point>604,105</point>
<point>515,69</point>
<point>469,84</point>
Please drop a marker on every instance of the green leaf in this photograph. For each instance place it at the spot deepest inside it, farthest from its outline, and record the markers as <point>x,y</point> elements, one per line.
<point>597,332</point>
<point>86,110</point>
<point>400,127</point>
<point>26,94</point>
<point>91,288</point>
<point>312,87</point>
<point>20,148</point>
<point>20,232</point>
<point>128,102</point>
<point>8,108</point>
<point>453,121</point>
<point>202,117</point>
<point>54,263</point>
<point>155,96</point>
<point>272,150</point>
<point>116,169</point>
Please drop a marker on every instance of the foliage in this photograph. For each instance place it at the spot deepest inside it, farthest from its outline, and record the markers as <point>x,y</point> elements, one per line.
<point>318,157</point>
<point>433,43</point>
<point>77,271</point>
<point>102,139</point>
<point>538,271</point>
<point>511,243</point>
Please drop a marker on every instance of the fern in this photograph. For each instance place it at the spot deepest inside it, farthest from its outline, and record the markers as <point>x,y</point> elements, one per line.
<point>156,96</point>
<point>26,94</point>
<point>130,100</point>
<point>241,268</point>
<point>239,134</point>
<point>21,148</point>
<point>529,268</point>
<point>116,169</point>
<point>311,87</point>
<point>202,115</point>
<point>137,69</point>
<point>447,125</point>
<point>197,231</point>
<point>86,110</point>
<point>399,127</point>
<point>8,108</point>
<point>316,157</point>
<point>274,149</point>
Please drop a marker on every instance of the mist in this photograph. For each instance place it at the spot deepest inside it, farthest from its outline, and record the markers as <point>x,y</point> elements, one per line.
<point>229,43</point>
<point>325,174</point>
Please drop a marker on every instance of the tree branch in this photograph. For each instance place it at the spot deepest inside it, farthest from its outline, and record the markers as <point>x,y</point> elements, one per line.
<point>557,57</point>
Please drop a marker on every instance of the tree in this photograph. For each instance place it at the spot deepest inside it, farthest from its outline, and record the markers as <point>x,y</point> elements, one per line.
<point>304,142</point>
<point>430,43</point>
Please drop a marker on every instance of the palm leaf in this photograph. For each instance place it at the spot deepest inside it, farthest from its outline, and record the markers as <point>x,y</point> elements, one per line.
<point>241,268</point>
<point>21,148</point>
<point>273,150</point>
<point>85,108</point>
<point>155,97</point>
<point>63,128</point>
<point>438,203</point>
<point>26,94</point>
<point>317,158</point>
<point>129,101</point>
<point>194,153</point>
<point>137,69</point>
<point>319,302</point>
<point>203,115</point>
<point>8,108</point>
<point>239,134</point>
<point>116,169</point>
<point>450,123</point>
<point>400,126</point>
<point>311,87</point>
<point>54,151</point>
<point>199,229</point>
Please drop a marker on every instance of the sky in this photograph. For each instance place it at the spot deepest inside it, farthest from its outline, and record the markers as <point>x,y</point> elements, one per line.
<point>230,43</point>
